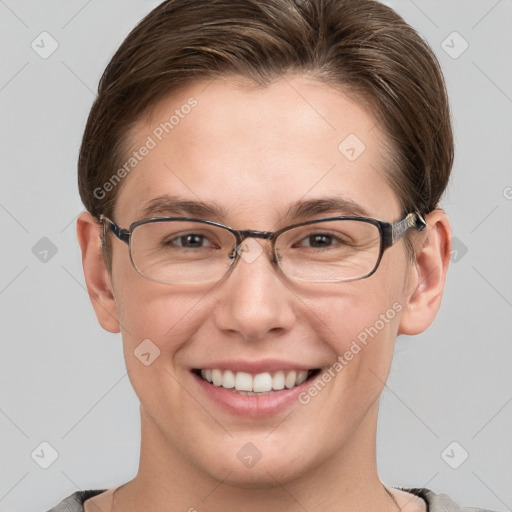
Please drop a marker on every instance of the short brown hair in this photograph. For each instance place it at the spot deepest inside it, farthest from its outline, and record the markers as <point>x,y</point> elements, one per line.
<point>360,46</point>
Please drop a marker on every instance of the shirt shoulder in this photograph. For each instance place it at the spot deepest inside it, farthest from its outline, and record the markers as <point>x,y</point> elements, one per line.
<point>442,502</point>
<point>435,502</point>
<point>75,501</point>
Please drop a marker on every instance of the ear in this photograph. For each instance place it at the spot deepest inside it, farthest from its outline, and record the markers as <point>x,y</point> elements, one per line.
<point>97,278</point>
<point>427,275</point>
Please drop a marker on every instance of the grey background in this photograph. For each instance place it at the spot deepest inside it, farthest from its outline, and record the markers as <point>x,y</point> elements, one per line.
<point>62,379</point>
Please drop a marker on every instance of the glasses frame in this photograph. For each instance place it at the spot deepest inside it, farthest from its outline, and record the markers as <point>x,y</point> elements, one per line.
<point>389,234</point>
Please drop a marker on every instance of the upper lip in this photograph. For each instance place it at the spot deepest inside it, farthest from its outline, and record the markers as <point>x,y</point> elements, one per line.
<point>255,367</point>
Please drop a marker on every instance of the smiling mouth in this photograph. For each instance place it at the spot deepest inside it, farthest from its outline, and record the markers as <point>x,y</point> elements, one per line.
<point>259,384</point>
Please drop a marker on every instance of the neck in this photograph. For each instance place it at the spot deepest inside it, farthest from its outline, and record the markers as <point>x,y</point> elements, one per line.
<point>344,481</point>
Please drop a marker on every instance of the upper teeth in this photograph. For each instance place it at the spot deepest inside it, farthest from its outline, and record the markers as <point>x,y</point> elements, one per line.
<point>261,382</point>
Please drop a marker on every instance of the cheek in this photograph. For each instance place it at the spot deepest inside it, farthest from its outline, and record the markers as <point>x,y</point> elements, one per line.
<point>361,311</point>
<point>359,321</point>
<point>166,315</point>
<point>157,324</point>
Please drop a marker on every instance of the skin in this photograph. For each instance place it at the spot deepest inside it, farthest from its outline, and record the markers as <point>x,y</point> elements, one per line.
<point>254,151</point>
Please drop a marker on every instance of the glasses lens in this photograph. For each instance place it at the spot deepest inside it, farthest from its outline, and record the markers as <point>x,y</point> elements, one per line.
<point>337,250</point>
<point>181,251</point>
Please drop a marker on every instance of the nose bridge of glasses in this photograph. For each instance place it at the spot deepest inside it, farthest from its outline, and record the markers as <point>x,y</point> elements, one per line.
<point>249,233</point>
<point>248,248</point>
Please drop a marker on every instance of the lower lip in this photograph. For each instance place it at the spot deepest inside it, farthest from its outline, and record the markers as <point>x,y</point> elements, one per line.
<point>252,406</point>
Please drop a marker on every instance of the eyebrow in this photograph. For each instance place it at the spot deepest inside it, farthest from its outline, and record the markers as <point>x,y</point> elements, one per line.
<point>326,206</point>
<point>169,205</point>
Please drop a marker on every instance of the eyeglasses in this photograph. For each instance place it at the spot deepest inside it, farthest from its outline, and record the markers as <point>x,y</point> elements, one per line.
<point>178,250</point>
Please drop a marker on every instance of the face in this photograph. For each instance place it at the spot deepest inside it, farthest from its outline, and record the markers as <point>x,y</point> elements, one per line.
<point>252,153</point>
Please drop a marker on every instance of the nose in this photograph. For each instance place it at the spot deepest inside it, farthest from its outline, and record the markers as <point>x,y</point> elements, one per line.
<point>255,301</point>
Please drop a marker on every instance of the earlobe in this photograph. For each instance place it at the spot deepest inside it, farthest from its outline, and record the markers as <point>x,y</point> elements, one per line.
<point>97,278</point>
<point>428,275</point>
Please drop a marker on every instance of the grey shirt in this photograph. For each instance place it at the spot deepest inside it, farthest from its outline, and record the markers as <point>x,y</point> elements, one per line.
<point>435,502</point>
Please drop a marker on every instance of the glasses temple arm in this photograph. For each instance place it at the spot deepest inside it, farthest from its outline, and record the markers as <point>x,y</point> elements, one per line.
<point>413,220</point>
<point>122,234</point>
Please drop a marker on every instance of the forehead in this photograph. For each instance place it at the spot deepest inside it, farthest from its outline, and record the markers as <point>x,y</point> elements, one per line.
<point>256,152</point>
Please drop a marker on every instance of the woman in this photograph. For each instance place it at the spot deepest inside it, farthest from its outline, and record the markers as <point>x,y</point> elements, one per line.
<point>262,183</point>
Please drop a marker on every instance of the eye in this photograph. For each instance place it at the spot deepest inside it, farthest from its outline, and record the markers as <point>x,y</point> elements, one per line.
<point>318,240</point>
<point>322,240</point>
<point>189,241</point>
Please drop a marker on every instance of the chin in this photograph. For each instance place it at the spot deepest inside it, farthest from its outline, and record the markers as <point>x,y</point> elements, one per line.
<point>247,467</point>
<point>265,476</point>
